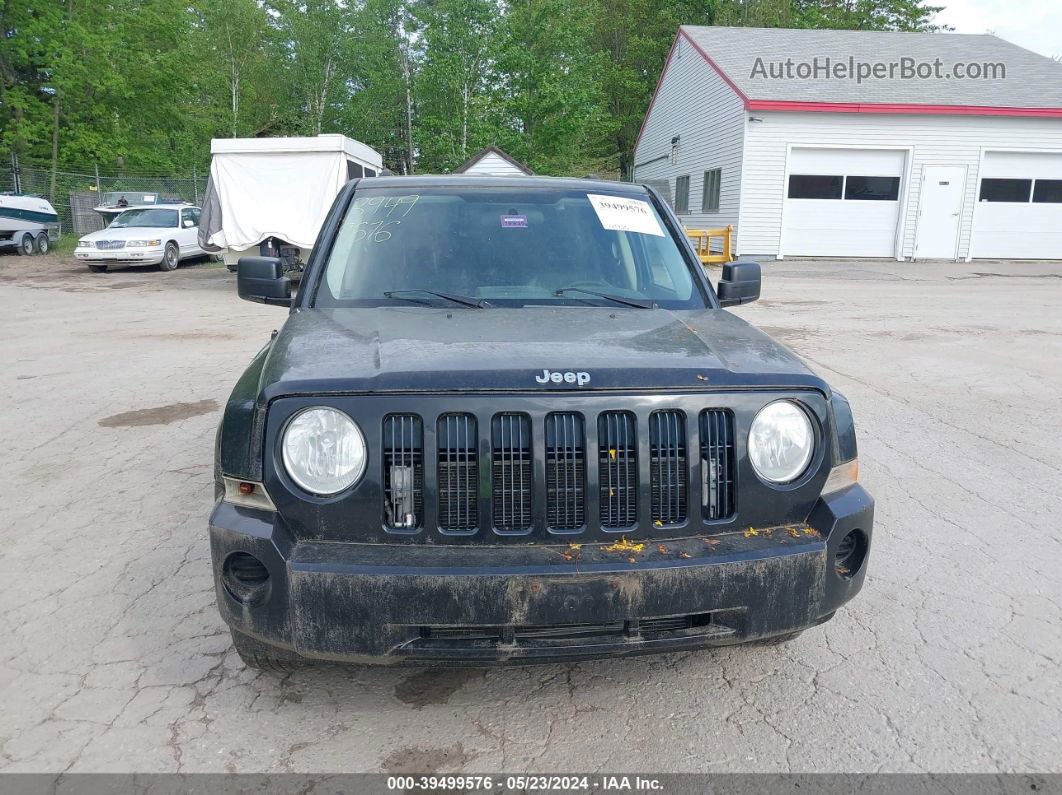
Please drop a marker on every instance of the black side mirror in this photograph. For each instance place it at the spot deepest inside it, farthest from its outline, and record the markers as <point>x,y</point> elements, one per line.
<point>740,283</point>
<point>262,279</point>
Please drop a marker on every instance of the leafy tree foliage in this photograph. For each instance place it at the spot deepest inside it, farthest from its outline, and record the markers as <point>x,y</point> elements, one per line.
<point>561,84</point>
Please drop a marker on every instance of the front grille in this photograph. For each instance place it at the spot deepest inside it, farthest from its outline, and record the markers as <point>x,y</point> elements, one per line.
<point>108,245</point>
<point>667,466</point>
<point>617,468</point>
<point>457,462</point>
<point>511,471</point>
<point>403,475</point>
<point>565,472</point>
<point>583,482</point>
<point>717,464</point>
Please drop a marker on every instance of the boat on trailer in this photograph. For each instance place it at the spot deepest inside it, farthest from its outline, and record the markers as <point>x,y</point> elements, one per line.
<point>28,223</point>
<point>114,203</point>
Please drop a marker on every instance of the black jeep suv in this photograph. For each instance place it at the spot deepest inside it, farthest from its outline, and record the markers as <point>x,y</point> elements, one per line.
<point>510,420</point>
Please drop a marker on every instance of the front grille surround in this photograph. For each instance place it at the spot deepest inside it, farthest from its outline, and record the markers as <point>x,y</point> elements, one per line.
<point>458,469</point>
<point>565,472</point>
<point>617,455</point>
<point>403,472</point>
<point>668,470</point>
<point>457,495</point>
<point>511,473</point>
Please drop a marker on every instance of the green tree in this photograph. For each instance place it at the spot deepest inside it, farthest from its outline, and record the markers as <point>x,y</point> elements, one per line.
<point>547,102</point>
<point>454,80</point>
<point>233,44</point>
<point>315,47</point>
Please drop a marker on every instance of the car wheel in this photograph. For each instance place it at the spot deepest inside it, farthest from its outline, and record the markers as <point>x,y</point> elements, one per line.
<point>42,243</point>
<point>171,258</point>
<point>262,656</point>
<point>98,268</point>
<point>26,245</point>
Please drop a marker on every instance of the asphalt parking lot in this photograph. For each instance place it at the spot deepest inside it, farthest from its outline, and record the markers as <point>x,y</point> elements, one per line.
<point>113,656</point>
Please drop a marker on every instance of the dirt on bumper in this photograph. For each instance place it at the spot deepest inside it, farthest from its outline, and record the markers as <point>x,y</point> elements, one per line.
<point>481,604</point>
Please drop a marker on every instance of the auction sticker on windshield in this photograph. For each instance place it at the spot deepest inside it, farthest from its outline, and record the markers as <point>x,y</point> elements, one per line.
<point>625,215</point>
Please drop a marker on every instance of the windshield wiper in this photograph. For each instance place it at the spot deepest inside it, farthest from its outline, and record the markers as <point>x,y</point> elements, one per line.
<point>475,303</point>
<point>616,298</point>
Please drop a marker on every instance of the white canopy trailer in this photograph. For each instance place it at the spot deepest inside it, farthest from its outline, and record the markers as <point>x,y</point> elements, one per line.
<point>270,195</point>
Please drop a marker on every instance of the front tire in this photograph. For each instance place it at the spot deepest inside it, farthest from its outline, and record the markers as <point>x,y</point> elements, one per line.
<point>42,243</point>
<point>264,657</point>
<point>97,268</point>
<point>26,245</point>
<point>171,258</point>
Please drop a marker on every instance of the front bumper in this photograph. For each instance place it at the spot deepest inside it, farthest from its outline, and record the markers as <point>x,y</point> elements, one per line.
<point>123,256</point>
<point>389,603</point>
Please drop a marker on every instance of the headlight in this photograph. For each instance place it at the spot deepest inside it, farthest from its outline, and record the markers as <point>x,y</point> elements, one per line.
<point>142,243</point>
<point>781,441</point>
<point>85,244</point>
<point>323,451</point>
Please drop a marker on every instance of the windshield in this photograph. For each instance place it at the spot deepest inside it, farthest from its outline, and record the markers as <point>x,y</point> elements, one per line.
<point>146,217</point>
<point>505,247</point>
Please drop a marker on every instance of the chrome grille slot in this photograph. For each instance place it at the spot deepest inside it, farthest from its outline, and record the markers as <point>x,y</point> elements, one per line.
<point>511,471</point>
<point>403,471</point>
<point>717,464</point>
<point>617,468</point>
<point>110,245</point>
<point>667,467</point>
<point>457,465</point>
<point>565,472</point>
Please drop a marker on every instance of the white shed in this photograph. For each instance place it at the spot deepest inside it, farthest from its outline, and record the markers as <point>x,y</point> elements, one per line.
<point>860,143</point>
<point>492,161</point>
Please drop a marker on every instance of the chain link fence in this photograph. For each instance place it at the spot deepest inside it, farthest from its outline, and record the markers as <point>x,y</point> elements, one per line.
<point>80,188</point>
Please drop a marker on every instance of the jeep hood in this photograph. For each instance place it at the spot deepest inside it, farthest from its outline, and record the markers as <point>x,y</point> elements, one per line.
<point>428,349</point>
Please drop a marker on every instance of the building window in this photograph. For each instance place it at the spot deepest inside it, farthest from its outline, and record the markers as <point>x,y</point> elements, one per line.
<point>1047,191</point>
<point>1005,190</point>
<point>682,195</point>
<point>815,186</point>
<point>885,189</point>
<point>710,194</point>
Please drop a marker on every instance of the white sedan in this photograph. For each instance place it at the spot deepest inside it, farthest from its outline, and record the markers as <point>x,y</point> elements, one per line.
<point>162,234</point>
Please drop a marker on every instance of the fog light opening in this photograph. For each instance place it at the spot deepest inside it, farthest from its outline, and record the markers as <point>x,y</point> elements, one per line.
<point>851,551</point>
<point>245,577</point>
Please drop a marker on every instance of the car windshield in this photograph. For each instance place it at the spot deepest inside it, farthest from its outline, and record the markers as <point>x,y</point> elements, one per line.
<point>506,247</point>
<point>146,217</point>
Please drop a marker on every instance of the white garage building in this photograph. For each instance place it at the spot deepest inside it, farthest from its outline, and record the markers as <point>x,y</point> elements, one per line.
<point>778,133</point>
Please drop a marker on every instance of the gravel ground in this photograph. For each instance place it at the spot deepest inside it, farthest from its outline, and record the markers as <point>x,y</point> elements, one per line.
<point>113,657</point>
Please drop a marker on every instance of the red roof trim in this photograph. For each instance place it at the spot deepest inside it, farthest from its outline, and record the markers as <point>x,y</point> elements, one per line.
<point>865,107</point>
<point>715,66</point>
<point>837,107</point>
<point>667,63</point>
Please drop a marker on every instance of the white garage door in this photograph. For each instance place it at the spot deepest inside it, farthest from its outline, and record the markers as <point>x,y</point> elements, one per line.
<point>842,202</point>
<point>1019,206</point>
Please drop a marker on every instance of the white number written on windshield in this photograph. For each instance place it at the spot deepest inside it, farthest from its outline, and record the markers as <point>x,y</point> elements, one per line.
<point>375,217</point>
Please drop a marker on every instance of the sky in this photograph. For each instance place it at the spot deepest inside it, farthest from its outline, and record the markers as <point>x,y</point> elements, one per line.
<point>1033,24</point>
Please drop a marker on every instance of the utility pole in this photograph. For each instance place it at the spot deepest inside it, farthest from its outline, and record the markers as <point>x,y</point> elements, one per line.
<point>98,178</point>
<point>195,183</point>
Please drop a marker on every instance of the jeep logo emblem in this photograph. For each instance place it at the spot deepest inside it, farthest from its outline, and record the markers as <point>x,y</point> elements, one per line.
<point>567,377</point>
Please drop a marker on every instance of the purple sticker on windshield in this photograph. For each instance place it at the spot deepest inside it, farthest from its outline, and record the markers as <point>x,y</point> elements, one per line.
<point>513,221</point>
